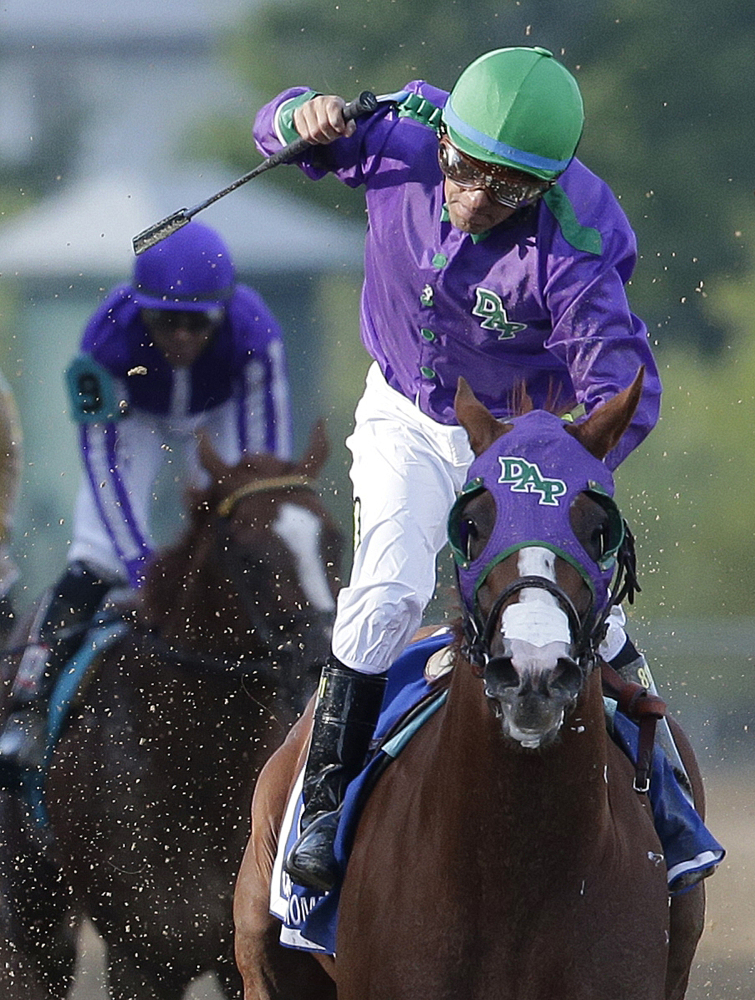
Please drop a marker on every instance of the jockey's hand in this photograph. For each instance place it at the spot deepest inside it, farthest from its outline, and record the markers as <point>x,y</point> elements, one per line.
<point>321,120</point>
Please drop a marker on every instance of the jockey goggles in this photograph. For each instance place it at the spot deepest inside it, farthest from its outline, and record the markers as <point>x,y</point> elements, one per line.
<point>508,187</point>
<point>167,321</point>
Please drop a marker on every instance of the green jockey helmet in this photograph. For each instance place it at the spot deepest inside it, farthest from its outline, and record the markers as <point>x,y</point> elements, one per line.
<point>517,107</point>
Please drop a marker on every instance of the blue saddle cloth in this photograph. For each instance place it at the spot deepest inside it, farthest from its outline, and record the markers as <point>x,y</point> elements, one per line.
<point>309,919</point>
<point>99,638</point>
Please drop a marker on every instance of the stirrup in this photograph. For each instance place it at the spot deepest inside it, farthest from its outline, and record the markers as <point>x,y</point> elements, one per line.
<point>311,862</point>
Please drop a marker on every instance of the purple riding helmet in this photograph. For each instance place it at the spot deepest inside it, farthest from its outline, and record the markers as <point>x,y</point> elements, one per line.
<point>190,271</point>
<point>534,473</point>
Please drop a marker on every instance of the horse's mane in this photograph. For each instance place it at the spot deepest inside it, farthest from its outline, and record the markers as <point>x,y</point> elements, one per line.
<point>520,401</point>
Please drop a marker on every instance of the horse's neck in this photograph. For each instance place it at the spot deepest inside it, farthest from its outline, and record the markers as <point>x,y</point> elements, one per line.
<point>559,788</point>
<point>182,600</point>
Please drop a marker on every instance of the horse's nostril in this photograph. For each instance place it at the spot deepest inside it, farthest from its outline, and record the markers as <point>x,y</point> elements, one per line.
<point>501,673</point>
<point>567,676</point>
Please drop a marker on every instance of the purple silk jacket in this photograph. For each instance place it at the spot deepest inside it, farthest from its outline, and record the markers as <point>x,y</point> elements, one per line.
<point>244,366</point>
<point>538,300</point>
<point>118,340</point>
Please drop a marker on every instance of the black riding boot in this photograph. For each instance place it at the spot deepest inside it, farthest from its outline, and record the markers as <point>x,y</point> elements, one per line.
<point>347,709</point>
<point>55,636</point>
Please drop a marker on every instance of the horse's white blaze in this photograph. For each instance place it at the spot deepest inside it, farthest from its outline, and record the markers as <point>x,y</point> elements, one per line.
<point>536,618</point>
<point>534,560</point>
<point>299,529</point>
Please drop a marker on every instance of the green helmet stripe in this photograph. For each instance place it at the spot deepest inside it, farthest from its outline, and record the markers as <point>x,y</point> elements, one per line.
<point>526,160</point>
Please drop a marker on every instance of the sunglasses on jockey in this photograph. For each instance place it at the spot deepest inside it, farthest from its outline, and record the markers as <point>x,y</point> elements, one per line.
<point>508,187</point>
<point>167,321</point>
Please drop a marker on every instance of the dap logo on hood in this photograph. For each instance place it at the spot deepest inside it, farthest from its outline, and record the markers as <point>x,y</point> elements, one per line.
<point>526,477</point>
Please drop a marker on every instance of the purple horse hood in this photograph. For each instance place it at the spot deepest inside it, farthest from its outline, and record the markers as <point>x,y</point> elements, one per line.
<point>535,472</point>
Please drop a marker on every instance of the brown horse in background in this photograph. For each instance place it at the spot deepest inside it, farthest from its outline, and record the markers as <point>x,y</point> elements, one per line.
<point>18,975</point>
<point>484,867</point>
<point>148,791</point>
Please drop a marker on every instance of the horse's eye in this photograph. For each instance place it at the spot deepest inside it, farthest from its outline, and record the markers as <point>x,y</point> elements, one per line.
<point>469,535</point>
<point>598,541</point>
<point>592,526</point>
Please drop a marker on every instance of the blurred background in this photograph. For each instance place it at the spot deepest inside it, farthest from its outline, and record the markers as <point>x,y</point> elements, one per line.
<point>116,114</point>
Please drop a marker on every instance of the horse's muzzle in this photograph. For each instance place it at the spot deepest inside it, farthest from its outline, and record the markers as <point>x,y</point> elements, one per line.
<point>532,701</point>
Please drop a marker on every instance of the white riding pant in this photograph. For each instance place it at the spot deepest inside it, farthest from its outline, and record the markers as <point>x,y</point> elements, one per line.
<point>146,443</point>
<point>406,472</point>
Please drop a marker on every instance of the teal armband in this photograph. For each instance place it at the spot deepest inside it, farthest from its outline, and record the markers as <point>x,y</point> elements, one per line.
<point>91,392</point>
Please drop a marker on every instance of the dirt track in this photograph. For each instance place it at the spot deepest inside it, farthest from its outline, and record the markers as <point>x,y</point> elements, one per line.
<point>725,968</point>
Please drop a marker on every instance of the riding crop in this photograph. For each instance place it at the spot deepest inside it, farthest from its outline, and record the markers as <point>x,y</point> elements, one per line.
<point>365,104</point>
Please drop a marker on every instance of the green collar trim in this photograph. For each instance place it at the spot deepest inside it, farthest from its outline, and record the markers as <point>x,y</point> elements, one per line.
<point>581,237</point>
<point>421,110</point>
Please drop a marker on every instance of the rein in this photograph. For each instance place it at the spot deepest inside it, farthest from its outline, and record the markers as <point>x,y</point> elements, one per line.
<point>646,709</point>
<point>196,663</point>
<point>199,663</point>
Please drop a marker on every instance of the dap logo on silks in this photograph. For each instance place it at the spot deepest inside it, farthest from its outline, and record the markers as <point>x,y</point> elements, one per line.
<point>526,477</point>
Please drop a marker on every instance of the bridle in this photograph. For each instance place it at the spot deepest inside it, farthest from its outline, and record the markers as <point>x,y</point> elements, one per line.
<point>477,642</point>
<point>228,504</point>
<point>587,630</point>
<point>273,652</point>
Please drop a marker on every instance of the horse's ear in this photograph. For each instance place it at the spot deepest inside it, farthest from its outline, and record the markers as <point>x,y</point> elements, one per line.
<point>210,459</point>
<point>602,430</point>
<point>318,450</point>
<point>479,423</point>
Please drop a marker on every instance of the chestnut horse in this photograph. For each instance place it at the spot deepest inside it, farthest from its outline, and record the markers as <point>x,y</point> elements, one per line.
<point>149,788</point>
<point>504,855</point>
